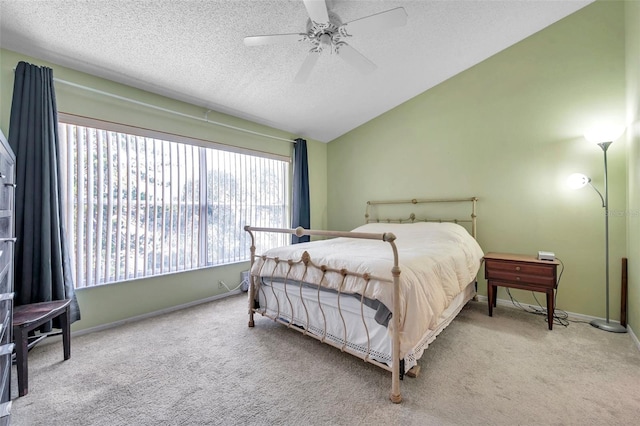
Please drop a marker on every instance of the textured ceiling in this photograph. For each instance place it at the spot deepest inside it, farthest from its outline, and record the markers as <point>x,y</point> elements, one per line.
<point>193,50</point>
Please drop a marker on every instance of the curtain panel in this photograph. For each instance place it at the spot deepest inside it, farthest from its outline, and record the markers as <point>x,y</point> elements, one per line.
<point>42,268</point>
<point>301,207</point>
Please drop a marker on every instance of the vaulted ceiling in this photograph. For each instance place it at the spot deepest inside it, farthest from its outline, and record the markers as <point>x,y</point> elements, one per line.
<point>193,51</point>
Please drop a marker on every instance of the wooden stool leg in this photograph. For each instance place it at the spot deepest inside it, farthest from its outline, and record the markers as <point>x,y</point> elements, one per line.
<point>65,323</point>
<point>21,338</point>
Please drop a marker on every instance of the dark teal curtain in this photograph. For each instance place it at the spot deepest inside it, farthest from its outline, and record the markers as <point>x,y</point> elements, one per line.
<point>301,208</point>
<point>42,267</point>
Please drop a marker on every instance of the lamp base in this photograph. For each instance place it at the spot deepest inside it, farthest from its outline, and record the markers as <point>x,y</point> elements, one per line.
<point>613,327</point>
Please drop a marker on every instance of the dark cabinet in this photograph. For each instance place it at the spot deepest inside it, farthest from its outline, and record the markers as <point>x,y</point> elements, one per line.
<point>7,240</point>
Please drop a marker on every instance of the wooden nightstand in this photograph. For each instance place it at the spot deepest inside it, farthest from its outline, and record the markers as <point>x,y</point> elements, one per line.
<point>523,272</point>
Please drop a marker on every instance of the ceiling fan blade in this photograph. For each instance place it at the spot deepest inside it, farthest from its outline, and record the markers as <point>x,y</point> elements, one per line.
<point>272,39</point>
<point>380,21</point>
<point>317,10</point>
<point>355,58</point>
<point>307,66</point>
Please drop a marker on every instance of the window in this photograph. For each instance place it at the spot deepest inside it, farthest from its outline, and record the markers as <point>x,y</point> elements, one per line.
<point>141,203</point>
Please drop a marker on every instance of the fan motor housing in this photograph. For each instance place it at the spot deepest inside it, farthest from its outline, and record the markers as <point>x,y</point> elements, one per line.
<point>316,31</point>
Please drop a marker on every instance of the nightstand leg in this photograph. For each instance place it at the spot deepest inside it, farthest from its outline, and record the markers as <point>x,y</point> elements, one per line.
<point>491,289</point>
<point>550,304</point>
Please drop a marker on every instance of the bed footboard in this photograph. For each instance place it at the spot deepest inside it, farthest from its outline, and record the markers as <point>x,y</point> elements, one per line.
<point>301,267</point>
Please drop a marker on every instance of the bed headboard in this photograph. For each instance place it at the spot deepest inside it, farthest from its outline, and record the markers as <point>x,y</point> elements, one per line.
<point>427,213</point>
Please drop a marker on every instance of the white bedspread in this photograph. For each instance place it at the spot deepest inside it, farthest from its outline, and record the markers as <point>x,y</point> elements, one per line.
<point>437,261</point>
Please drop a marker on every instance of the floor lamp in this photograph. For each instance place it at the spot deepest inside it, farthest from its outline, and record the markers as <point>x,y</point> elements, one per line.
<point>603,137</point>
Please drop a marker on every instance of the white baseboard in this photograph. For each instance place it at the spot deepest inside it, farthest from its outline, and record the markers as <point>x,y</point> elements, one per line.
<point>501,302</point>
<point>573,315</point>
<point>154,313</point>
<point>634,337</point>
<point>57,337</point>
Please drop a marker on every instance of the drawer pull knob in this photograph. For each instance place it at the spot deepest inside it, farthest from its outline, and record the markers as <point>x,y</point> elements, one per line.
<point>517,278</point>
<point>517,268</point>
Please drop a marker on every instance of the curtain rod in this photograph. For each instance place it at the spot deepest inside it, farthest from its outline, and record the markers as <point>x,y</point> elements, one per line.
<point>205,119</point>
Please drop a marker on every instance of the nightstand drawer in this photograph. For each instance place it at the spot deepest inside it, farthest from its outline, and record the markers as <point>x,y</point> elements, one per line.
<point>5,317</point>
<point>5,413</point>
<point>5,371</point>
<point>520,268</point>
<point>516,277</point>
<point>6,183</point>
<point>5,267</point>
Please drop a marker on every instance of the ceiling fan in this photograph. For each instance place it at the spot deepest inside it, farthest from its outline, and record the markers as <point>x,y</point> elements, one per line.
<point>325,31</point>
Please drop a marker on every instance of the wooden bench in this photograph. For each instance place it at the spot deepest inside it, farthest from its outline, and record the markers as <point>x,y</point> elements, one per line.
<point>27,318</point>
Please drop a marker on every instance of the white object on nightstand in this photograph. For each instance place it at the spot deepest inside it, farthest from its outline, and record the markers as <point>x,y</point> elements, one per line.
<point>546,255</point>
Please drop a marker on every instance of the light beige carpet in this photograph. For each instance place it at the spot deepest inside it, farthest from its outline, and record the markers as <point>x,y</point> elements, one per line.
<point>203,365</point>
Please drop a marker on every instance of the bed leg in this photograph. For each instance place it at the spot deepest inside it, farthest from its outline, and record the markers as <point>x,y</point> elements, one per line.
<point>414,371</point>
<point>396,375</point>
<point>251,305</point>
<point>397,372</point>
<point>251,323</point>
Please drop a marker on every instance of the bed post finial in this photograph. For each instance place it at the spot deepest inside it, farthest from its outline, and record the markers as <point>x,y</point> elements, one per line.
<point>473,217</point>
<point>366,212</point>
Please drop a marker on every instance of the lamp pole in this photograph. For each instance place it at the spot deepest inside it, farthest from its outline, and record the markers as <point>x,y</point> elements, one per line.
<point>605,324</point>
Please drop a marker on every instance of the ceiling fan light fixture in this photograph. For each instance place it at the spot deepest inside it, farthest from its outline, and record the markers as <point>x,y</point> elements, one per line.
<point>325,41</point>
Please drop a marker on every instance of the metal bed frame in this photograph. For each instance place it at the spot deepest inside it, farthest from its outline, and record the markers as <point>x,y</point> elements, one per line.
<point>397,367</point>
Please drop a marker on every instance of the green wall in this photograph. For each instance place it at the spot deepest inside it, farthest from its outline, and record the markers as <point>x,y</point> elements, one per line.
<point>509,131</point>
<point>633,160</point>
<point>106,304</point>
